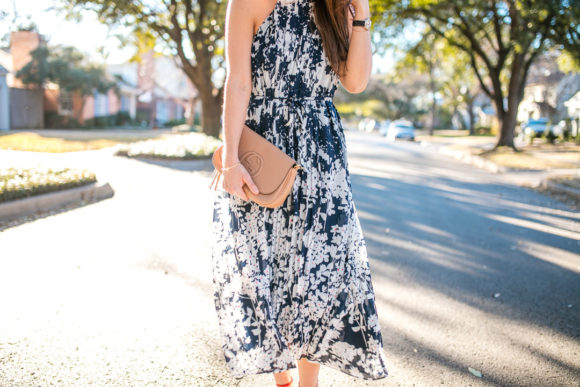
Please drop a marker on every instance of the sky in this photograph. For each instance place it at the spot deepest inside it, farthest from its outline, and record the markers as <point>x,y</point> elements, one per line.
<point>89,35</point>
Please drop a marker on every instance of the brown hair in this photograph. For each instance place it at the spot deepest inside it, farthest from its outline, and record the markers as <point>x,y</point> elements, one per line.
<point>331,20</point>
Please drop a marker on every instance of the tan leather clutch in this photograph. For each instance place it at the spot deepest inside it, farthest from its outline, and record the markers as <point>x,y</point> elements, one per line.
<point>272,170</point>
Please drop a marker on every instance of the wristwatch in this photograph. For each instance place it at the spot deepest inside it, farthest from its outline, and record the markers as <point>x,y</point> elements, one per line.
<point>366,23</point>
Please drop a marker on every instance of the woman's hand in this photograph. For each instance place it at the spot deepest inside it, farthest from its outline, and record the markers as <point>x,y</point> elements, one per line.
<point>361,7</point>
<point>234,179</point>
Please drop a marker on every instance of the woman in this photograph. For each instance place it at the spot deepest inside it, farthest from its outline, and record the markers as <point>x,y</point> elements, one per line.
<point>292,284</point>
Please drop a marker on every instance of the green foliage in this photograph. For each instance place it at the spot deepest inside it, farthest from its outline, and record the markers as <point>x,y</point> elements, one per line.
<point>370,108</point>
<point>192,31</point>
<point>18,183</point>
<point>567,63</point>
<point>119,119</point>
<point>174,122</point>
<point>66,67</point>
<point>185,27</point>
<point>500,39</point>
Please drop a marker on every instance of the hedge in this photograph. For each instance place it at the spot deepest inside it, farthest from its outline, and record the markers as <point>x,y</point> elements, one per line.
<point>189,146</point>
<point>17,183</point>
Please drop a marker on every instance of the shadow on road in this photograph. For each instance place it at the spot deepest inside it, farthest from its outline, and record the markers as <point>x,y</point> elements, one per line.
<point>495,249</point>
<point>201,165</point>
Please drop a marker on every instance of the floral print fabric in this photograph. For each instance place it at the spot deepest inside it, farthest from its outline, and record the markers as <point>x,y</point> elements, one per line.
<point>294,281</point>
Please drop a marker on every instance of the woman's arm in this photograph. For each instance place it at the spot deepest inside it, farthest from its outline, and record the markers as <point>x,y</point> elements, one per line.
<point>359,58</point>
<point>238,86</point>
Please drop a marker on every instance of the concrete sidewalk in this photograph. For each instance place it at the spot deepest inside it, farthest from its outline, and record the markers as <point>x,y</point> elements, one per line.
<point>465,149</point>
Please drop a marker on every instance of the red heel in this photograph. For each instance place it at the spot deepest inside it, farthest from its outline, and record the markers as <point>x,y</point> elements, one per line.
<point>287,384</point>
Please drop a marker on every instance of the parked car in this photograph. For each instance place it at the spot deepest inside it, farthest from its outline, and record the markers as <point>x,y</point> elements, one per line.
<point>535,128</point>
<point>401,129</point>
<point>367,125</point>
<point>383,127</point>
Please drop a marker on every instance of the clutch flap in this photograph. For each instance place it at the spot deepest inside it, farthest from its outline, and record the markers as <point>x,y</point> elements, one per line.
<point>267,164</point>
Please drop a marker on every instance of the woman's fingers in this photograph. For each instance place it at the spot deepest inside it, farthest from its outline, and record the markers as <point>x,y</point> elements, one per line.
<point>248,180</point>
<point>242,194</point>
<point>234,181</point>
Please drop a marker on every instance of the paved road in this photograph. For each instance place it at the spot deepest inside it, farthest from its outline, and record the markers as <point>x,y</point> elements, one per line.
<point>469,271</point>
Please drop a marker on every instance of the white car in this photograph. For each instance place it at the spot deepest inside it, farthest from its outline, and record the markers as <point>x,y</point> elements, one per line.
<point>401,129</point>
<point>366,125</point>
<point>383,127</point>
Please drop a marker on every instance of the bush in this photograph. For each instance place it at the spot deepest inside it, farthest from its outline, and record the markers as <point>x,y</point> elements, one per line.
<point>54,120</point>
<point>548,134</point>
<point>16,183</point>
<point>183,146</point>
<point>175,122</point>
<point>482,130</point>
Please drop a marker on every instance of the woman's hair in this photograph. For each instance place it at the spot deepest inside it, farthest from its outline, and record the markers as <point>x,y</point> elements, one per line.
<point>332,22</point>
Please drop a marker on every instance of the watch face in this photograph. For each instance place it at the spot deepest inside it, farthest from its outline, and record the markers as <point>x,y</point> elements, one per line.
<point>368,24</point>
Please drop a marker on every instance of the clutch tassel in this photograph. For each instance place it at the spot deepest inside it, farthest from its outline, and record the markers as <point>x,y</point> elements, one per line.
<point>215,180</point>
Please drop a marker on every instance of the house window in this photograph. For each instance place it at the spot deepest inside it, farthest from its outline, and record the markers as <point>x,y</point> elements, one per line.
<point>101,104</point>
<point>124,103</point>
<point>65,102</point>
<point>162,111</point>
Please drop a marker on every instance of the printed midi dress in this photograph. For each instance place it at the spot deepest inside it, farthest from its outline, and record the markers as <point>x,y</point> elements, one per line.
<point>294,281</point>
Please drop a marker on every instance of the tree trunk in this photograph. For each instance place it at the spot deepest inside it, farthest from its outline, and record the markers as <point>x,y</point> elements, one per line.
<point>434,102</point>
<point>433,115</point>
<point>471,114</point>
<point>191,118</point>
<point>515,93</point>
<point>210,97</point>
<point>153,111</point>
<point>507,125</point>
<point>211,111</point>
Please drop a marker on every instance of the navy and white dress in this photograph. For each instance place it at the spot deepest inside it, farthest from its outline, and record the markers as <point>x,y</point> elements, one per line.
<point>294,281</point>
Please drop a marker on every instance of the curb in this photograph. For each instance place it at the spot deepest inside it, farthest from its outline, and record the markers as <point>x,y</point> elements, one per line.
<point>478,161</point>
<point>547,183</point>
<point>53,200</point>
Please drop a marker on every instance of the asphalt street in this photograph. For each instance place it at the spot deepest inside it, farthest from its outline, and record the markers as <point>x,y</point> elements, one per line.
<point>469,271</point>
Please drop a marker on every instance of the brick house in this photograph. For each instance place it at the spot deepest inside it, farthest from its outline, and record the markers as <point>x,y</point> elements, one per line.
<point>153,90</point>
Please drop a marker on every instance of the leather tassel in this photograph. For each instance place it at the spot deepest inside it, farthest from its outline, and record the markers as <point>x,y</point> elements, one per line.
<point>215,180</point>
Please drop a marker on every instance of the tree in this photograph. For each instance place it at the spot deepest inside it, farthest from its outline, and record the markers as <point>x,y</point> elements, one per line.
<point>192,30</point>
<point>426,58</point>
<point>501,38</point>
<point>66,67</point>
<point>459,85</point>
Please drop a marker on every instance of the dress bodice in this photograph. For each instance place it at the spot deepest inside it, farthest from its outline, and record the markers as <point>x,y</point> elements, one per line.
<point>287,54</point>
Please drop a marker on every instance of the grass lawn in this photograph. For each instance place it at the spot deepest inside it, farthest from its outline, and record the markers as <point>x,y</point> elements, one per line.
<point>570,181</point>
<point>536,156</point>
<point>34,142</point>
<point>534,160</point>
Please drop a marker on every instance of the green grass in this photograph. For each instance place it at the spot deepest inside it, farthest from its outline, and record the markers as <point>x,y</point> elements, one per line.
<point>34,142</point>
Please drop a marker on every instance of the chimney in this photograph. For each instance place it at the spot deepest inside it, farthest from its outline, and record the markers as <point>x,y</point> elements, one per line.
<point>21,44</point>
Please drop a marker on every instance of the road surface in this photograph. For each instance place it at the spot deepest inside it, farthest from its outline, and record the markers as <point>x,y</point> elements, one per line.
<point>469,271</point>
